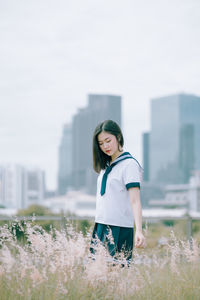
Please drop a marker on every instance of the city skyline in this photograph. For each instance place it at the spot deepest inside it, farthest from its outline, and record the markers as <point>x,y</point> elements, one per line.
<point>53,56</point>
<point>75,151</point>
<point>174,138</point>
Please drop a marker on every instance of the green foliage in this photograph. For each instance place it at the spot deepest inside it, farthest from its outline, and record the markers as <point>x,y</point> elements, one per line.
<point>39,210</point>
<point>18,228</point>
<point>168,222</point>
<point>195,226</point>
<point>59,268</point>
<point>83,226</point>
<point>35,209</point>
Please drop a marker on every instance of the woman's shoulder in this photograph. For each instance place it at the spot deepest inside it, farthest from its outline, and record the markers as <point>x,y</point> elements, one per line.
<point>132,166</point>
<point>132,170</point>
<point>132,161</point>
<point>102,171</point>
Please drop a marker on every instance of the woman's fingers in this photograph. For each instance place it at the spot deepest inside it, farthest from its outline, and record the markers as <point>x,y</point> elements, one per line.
<point>140,241</point>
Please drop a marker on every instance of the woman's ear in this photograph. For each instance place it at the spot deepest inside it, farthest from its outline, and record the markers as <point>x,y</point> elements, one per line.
<point>120,148</point>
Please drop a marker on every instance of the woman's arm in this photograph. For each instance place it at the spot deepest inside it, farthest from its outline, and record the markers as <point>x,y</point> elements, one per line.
<point>134,194</point>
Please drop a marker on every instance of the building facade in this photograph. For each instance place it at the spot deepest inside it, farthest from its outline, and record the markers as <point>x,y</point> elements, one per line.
<point>174,138</point>
<point>21,187</point>
<point>146,137</point>
<point>99,108</point>
<point>11,183</point>
<point>34,186</point>
<point>65,160</point>
<point>181,195</point>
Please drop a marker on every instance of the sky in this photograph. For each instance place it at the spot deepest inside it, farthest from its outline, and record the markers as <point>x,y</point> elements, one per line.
<point>54,53</point>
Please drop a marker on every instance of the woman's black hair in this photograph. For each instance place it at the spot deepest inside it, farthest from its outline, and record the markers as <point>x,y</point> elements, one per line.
<point>100,159</point>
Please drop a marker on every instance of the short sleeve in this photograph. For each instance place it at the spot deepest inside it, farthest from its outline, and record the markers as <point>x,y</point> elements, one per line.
<point>132,176</point>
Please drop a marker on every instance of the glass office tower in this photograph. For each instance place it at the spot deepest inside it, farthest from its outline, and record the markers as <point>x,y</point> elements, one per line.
<point>100,107</point>
<point>146,137</point>
<point>65,160</point>
<point>174,138</point>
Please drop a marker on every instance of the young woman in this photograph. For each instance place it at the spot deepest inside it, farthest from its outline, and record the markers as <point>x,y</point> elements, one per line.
<point>118,204</point>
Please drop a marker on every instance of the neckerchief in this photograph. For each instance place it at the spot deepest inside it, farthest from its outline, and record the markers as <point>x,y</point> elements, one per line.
<point>123,156</point>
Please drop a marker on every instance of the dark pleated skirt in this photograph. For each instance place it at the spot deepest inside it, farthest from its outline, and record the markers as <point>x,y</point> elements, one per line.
<point>121,240</point>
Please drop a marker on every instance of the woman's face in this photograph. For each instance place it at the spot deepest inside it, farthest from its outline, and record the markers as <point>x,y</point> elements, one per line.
<point>108,143</point>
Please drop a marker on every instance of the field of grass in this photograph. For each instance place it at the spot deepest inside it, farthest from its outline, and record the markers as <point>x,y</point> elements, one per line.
<point>57,265</point>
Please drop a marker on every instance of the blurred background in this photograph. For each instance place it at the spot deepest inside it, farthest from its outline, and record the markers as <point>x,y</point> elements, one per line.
<point>65,66</point>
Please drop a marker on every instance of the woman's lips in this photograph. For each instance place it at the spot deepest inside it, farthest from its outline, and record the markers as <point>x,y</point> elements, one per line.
<point>107,151</point>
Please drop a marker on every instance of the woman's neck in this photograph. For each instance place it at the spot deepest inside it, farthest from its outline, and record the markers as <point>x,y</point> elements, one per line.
<point>115,156</point>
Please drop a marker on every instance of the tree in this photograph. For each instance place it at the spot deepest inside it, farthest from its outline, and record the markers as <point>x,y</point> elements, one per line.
<point>35,209</point>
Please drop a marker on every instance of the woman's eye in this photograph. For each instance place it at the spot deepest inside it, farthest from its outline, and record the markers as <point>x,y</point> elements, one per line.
<point>105,142</point>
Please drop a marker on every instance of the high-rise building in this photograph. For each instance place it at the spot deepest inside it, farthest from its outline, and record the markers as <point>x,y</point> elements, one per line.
<point>146,156</point>
<point>174,138</point>
<point>11,182</point>
<point>34,186</point>
<point>65,160</point>
<point>99,108</point>
<point>20,187</point>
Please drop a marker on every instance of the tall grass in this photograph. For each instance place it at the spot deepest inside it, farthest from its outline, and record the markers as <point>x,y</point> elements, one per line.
<point>58,265</point>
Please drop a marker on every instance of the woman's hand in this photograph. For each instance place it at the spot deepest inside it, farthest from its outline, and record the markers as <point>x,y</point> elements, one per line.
<point>134,194</point>
<point>139,240</point>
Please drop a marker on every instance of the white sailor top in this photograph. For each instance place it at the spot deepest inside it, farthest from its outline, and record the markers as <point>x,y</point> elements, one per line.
<point>113,205</point>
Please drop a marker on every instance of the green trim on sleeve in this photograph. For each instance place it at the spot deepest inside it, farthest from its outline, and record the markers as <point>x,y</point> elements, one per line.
<point>132,184</point>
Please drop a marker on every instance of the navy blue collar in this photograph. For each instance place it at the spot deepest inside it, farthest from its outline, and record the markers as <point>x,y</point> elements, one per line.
<point>123,156</point>
<point>119,158</point>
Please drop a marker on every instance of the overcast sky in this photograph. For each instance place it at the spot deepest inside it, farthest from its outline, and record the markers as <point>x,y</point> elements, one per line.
<point>53,53</point>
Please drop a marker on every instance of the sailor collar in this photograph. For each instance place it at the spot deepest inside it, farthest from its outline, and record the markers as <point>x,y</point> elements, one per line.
<point>123,156</point>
